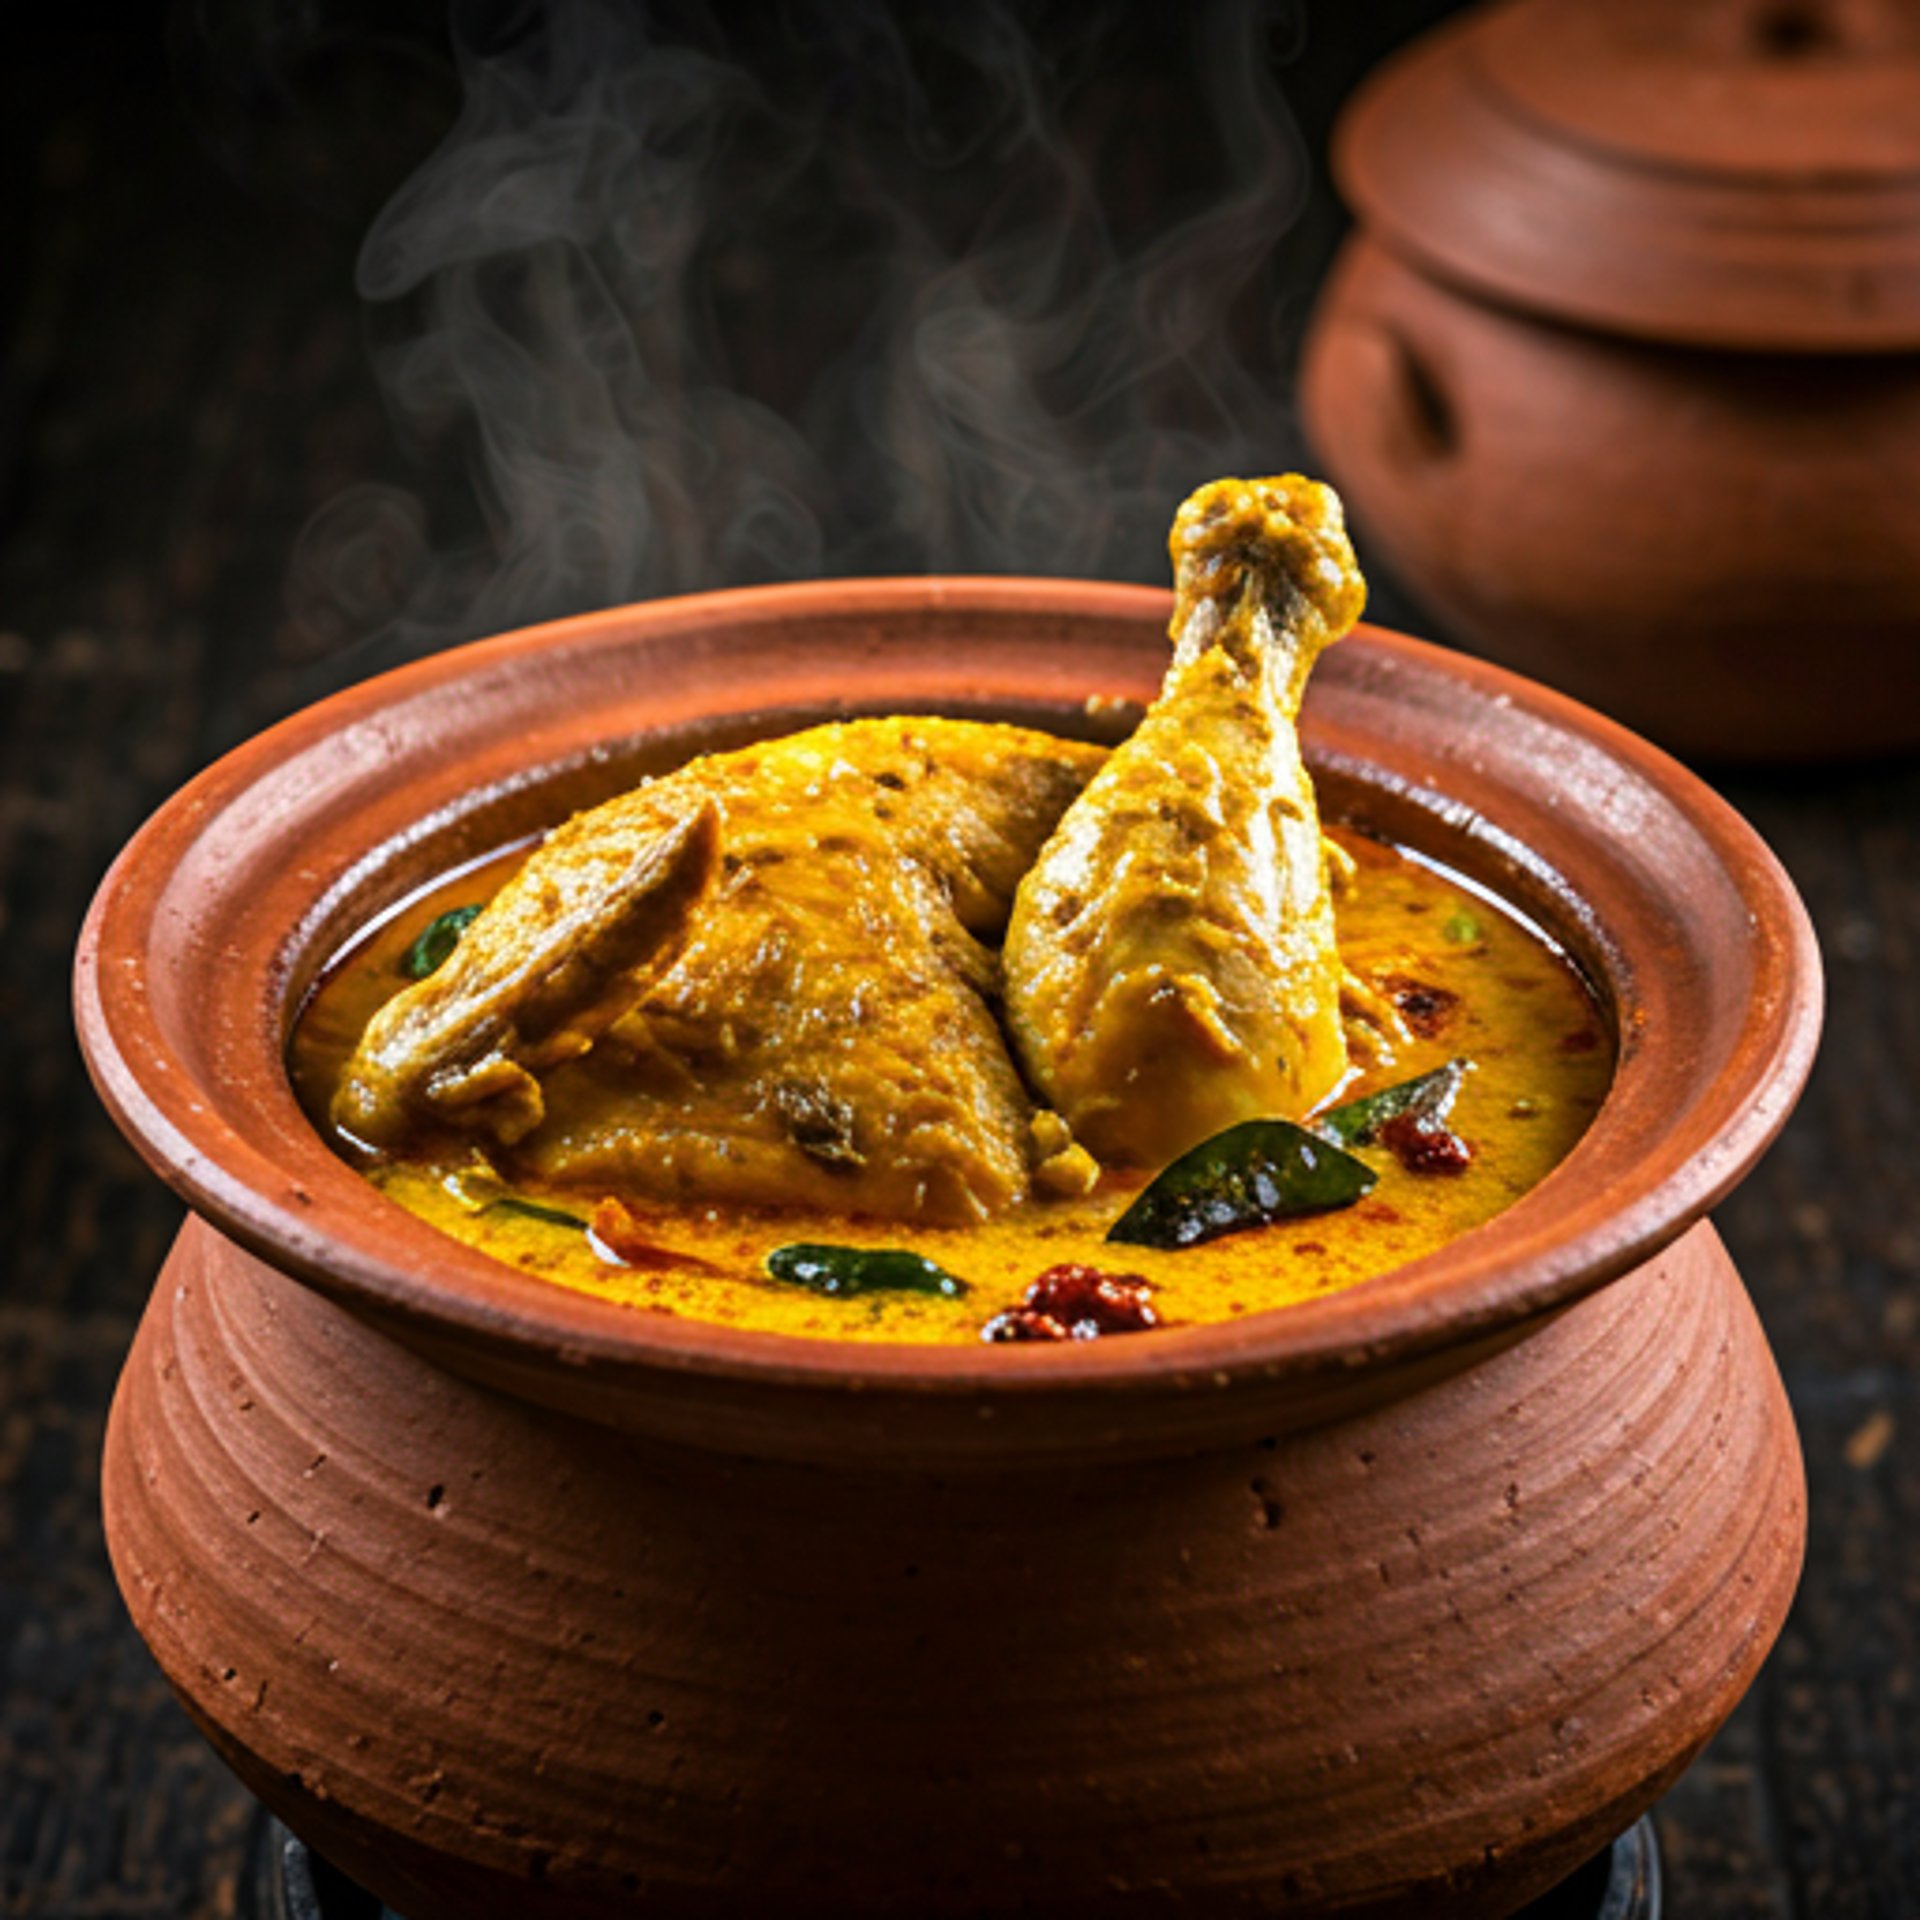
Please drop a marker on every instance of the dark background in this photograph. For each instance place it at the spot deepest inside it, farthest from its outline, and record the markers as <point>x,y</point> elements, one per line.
<point>184,380</point>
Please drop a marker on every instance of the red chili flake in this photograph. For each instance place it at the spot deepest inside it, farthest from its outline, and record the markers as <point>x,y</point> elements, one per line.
<point>1425,1008</point>
<point>1581,1040</point>
<point>1425,1146</point>
<point>1074,1302</point>
<point>623,1233</point>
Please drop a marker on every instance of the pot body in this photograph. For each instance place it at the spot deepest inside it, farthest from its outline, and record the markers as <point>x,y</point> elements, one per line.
<point>1716,547</point>
<point>511,1599</point>
<point>493,1658</point>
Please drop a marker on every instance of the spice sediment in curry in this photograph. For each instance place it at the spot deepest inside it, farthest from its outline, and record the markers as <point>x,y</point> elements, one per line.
<point>1470,980</point>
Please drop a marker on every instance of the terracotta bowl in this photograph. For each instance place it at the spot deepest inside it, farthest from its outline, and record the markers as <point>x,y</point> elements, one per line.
<point>1714,546</point>
<point>1402,1601</point>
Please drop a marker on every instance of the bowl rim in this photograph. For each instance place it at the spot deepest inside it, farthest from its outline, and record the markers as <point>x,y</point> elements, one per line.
<point>1530,1259</point>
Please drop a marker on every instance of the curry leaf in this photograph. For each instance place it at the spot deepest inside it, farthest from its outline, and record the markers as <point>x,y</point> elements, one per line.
<point>841,1271</point>
<point>1256,1172</point>
<point>431,951</point>
<point>533,1210</point>
<point>1429,1097</point>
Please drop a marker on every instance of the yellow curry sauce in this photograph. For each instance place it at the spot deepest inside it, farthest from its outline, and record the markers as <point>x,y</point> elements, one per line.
<point>1471,980</point>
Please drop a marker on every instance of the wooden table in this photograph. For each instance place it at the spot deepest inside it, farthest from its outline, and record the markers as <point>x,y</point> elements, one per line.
<point>184,384</point>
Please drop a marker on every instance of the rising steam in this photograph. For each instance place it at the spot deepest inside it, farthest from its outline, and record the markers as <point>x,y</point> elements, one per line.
<point>884,303</point>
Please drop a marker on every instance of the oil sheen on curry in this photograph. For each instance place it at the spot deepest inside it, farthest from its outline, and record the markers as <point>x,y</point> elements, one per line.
<point>925,1029</point>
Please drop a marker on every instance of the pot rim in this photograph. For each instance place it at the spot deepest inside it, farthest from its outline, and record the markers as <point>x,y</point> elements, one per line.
<point>310,1215</point>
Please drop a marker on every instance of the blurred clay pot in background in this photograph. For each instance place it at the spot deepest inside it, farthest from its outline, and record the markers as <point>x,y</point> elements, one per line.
<point>1401,1601</point>
<point>1621,372</point>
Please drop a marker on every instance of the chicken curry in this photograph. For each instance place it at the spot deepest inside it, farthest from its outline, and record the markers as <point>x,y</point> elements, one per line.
<point>932,1029</point>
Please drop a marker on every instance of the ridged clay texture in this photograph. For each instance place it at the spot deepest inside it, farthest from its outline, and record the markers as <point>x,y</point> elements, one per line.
<point>1421,1661</point>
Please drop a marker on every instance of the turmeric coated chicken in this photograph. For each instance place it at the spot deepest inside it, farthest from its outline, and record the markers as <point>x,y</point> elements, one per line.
<point>771,977</point>
<point>1171,966</point>
<point>763,978</point>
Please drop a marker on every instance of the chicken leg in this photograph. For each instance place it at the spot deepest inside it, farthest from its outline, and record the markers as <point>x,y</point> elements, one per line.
<point>1170,965</point>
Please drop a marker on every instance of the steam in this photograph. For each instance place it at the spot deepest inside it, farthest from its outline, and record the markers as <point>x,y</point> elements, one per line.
<point>880,304</point>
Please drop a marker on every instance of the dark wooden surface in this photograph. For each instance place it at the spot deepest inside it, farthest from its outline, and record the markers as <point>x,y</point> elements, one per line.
<point>184,383</point>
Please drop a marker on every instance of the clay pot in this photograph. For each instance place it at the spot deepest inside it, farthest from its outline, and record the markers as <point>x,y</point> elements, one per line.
<point>1622,371</point>
<point>508,1600</point>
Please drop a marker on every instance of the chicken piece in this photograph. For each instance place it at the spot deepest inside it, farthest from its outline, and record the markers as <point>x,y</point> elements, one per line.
<point>820,1031</point>
<point>1170,967</point>
<point>561,957</point>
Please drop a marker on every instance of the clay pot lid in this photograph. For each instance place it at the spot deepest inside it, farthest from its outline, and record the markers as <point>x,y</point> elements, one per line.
<point>1731,173</point>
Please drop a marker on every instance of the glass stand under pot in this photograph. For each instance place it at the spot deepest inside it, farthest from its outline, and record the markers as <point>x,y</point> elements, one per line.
<point>286,1881</point>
